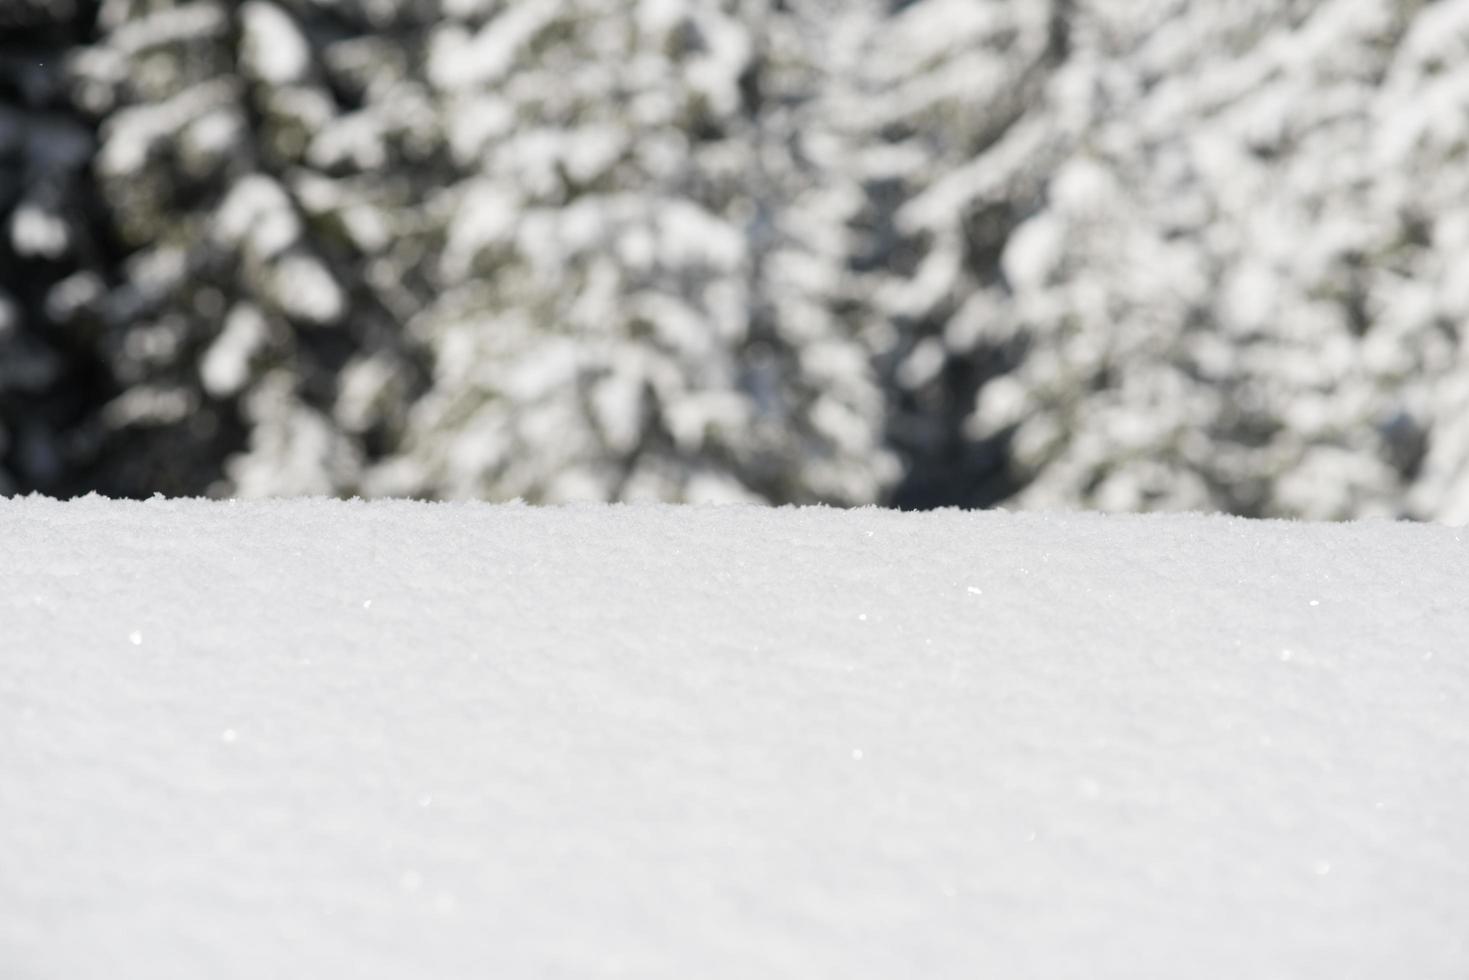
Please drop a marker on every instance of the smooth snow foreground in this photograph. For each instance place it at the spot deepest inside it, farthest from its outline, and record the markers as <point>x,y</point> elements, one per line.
<point>322,740</point>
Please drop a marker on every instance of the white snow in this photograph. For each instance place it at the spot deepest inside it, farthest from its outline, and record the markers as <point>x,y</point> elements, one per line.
<point>458,61</point>
<point>324,739</point>
<point>258,213</point>
<point>306,290</point>
<point>39,232</point>
<point>225,366</point>
<point>273,49</point>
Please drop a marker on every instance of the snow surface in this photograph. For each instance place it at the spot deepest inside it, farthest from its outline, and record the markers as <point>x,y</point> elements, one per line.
<point>325,739</point>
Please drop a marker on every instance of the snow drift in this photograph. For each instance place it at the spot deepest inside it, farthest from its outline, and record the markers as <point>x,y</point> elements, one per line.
<point>315,739</point>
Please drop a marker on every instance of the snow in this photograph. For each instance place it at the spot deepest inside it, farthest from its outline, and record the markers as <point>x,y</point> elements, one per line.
<point>274,50</point>
<point>225,366</point>
<point>458,61</point>
<point>306,290</point>
<point>258,212</point>
<point>35,231</point>
<point>315,738</point>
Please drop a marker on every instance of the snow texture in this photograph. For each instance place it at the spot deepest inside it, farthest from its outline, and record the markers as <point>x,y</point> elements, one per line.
<point>317,739</point>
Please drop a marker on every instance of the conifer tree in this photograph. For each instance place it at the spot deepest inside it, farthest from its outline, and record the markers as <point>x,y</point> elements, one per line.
<point>641,273</point>
<point>252,333</point>
<point>1164,278</point>
<point>50,258</point>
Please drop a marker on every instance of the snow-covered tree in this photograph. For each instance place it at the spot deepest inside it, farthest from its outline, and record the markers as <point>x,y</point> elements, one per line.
<point>1125,254</point>
<point>1186,289</point>
<point>1418,287</point>
<point>604,228</point>
<point>641,274</point>
<point>1165,271</point>
<point>252,317</point>
<point>49,256</point>
<point>952,134</point>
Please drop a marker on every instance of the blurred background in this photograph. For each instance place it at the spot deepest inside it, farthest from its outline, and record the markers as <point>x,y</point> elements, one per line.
<point>1115,254</point>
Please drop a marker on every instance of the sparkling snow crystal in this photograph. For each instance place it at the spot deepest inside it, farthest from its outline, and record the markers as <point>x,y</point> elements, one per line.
<point>328,739</point>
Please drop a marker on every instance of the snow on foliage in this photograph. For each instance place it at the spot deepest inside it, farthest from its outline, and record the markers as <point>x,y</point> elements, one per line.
<point>582,243</point>
<point>638,294</point>
<point>1188,251</point>
<point>1161,254</point>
